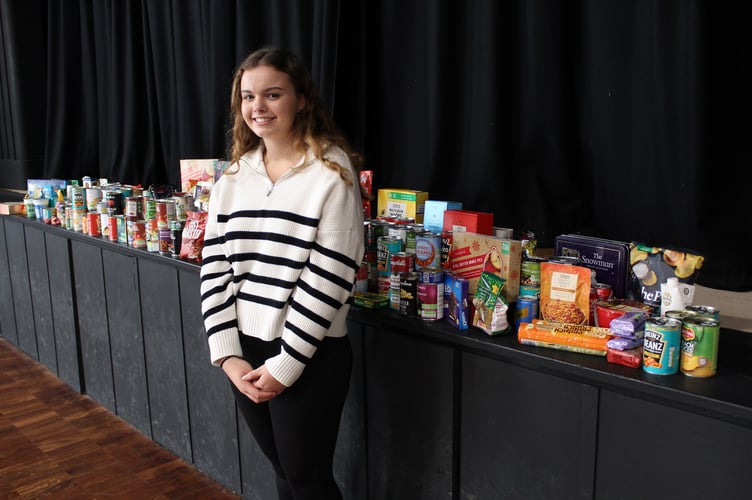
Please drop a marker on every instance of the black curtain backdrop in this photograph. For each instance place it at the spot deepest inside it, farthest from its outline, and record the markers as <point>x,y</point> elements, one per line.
<point>625,120</point>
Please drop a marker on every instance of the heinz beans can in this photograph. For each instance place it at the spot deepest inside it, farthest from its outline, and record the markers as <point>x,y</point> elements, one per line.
<point>699,346</point>
<point>661,345</point>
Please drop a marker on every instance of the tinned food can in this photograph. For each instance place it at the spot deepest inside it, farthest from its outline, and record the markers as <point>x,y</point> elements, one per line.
<point>430,301</point>
<point>446,249</point>
<point>699,346</point>
<point>526,310</point>
<point>661,345</point>
<point>408,305</point>
<point>385,247</point>
<point>428,250</point>
<point>710,311</point>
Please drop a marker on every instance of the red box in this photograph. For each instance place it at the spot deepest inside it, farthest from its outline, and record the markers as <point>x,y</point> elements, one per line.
<point>468,221</point>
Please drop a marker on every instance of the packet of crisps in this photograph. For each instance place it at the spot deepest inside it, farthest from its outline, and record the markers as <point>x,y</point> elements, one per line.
<point>650,266</point>
<point>490,308</point>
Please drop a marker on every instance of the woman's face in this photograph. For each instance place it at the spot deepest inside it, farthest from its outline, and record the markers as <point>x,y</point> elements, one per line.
<point>269,102</point>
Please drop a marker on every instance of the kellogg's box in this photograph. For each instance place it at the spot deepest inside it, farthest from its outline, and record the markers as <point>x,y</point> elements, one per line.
<point>400,203</point>
<point>473,253</point>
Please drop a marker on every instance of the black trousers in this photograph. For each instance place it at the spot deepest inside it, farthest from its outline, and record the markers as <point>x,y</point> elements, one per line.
<point>297,430</point>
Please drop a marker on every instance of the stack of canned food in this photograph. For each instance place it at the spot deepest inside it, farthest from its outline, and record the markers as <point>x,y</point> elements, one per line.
<point>402,268</point>
<point>124,214</point>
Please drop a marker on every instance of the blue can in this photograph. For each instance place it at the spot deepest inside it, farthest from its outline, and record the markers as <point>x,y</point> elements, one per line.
<point>428,251</point>
<point>526,311</point>
<point>661,345</point>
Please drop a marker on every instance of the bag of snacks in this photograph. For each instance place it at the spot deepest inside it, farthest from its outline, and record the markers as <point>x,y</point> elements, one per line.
<point>193,235</point>
<point>650,266</point>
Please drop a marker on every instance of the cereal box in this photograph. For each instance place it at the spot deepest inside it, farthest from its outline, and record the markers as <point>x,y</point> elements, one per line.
<point>473,253</point>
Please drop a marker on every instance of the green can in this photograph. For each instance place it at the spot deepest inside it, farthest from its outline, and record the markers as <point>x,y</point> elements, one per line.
<point>699,346</point>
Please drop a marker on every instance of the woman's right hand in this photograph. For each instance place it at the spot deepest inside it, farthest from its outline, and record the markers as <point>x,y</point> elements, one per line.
<point>235,368</point>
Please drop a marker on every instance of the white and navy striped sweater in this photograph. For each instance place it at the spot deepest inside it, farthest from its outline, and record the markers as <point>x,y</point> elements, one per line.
<point>280,259</point>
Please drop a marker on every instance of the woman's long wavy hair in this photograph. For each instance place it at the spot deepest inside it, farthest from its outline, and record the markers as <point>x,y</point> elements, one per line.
<point>313,127</point>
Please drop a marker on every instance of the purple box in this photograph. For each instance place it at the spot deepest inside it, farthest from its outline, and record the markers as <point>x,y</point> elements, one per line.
<point>609,259</point>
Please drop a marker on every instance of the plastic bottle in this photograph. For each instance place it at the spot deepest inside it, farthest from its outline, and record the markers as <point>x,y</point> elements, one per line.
<point>671,296</point>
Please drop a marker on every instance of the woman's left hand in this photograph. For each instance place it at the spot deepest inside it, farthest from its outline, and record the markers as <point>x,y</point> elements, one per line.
<point>262,380</point>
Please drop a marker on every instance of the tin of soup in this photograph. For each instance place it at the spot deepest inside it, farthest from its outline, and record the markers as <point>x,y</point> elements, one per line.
<point>699,346</point>
<point>662,343</point>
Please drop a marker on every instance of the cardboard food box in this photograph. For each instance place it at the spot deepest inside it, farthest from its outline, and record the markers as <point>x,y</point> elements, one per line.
<point>401,203</point>
<point>193,171</point>
<point>12,208</point>
<point>433,219</point>
<point>473,253</point>
<point>468,221</point>
<point>609,259</point>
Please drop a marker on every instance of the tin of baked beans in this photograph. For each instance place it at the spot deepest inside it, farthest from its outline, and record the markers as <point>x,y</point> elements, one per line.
<point>408,305</point>
<point>78,197</point>
<point>680,314</point>
<point>446,249</point>
<point>428,250</point>
<point>386,246</point>
<point>710,311</point>
<point>699,346</point>
<point>93,225</point>
<point>430,301</point>
<point>401,262</point>
<point>661,345</point>
<point>526,310</point>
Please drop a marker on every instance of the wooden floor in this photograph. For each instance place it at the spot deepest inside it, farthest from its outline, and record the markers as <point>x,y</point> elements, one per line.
<point>56,443</point>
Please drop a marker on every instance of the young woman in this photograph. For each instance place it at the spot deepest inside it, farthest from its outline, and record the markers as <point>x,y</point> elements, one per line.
<point>283,242</point>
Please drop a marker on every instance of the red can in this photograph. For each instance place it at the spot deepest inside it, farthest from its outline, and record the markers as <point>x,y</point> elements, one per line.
<point>93,227</point>
<point>401,262</point>
<point>112,229</point>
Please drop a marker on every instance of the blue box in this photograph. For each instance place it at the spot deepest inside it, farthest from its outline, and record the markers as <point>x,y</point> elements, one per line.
<point>433,216</point>
<point>459,303</point>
